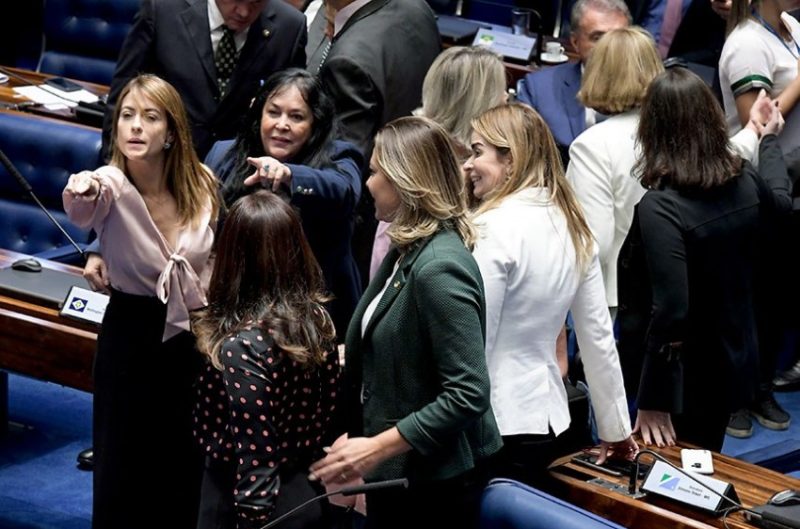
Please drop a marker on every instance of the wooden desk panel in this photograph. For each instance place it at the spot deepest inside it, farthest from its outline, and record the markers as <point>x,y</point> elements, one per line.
<point>753,484</point>
<point>36,341</point>
<point>9,97</point>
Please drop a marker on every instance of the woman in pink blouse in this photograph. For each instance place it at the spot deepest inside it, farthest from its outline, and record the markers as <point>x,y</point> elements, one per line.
<point>267,395</point>
<point>153,209</point>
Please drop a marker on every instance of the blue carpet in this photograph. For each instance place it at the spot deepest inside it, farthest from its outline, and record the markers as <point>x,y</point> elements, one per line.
<point>41,487</point>
<point>762,436</point>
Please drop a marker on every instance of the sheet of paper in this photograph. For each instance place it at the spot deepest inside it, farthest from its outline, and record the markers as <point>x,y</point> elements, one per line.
<point>76,96</point>
<point>53,98</point>
<point>49,100</point>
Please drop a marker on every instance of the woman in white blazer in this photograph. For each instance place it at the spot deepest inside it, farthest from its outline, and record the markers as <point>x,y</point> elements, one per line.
<point>621,67</point>
<point>538,261</point>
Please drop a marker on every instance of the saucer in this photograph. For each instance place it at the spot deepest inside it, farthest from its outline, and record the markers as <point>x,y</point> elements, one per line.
<point>553,59</point>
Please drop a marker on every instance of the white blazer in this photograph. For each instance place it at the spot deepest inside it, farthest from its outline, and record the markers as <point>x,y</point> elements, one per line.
<point>600,171</point>
<point>530,274</point>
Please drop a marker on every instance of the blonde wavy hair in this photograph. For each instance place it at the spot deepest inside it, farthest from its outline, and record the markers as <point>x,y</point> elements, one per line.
<point>619,70</point>
<point>461,83</point>
<point>190,183</point>
<point>519,132</point>
<point>417,156</point>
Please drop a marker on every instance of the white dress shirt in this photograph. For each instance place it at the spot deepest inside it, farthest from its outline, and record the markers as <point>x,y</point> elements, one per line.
<point>216,23</point>
<point>531,278</point>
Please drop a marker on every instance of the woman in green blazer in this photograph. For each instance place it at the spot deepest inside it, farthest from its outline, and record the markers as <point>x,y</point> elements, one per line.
<point>416,383</point>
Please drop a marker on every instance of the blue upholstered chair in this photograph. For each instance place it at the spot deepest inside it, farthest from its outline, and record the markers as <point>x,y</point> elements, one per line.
<point>82,38</point>
<point>45,152</point>
<point>508,504</point>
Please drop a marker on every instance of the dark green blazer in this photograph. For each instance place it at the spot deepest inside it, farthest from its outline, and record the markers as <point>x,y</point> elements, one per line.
<point>421,364</point>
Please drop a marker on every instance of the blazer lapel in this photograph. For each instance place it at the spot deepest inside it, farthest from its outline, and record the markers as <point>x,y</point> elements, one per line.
<point>575,111</point>
<point>195,20</point>
<point>260,32</point>
<point>396,285</point>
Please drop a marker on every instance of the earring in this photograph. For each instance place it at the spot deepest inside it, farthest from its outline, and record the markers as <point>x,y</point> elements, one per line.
<point>167,145</point>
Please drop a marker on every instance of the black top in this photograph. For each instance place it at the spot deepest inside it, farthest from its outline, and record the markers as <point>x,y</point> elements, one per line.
<point>686,282</point>
<point>266,414</point>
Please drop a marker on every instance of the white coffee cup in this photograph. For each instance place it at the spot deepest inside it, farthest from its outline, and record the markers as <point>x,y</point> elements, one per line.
<point>554,49</point>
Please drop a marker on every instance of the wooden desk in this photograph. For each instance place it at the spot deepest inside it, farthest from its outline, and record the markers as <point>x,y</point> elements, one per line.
<point>753,484</point>
<point>9,97</point>
<point>36,341</point>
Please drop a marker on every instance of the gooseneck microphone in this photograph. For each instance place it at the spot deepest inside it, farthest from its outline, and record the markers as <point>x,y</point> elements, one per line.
<point>27,187</point>
<point>344,491</point>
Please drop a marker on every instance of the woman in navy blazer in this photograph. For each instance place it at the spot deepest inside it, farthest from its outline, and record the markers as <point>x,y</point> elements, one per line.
<point>287,145</point>
<point>416,384</point>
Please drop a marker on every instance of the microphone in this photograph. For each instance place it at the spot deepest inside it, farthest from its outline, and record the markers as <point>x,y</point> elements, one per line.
<point>344,491</point>
<point>27,187</point>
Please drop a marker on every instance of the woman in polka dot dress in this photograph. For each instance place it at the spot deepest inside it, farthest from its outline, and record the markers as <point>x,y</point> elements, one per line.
<point>267,396</point>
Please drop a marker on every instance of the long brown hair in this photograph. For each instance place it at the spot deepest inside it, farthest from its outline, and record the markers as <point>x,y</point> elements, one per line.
<point>418,157</point>
<point>190,183</point>
<point>683,135</point>
<point>265,273</point>
<point>518,131</point>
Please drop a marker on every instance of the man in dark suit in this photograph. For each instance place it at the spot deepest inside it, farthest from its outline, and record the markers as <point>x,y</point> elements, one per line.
<point>177,40</point>
<point>553,91</point>
<point>378,58</point>
<point>379,55</point>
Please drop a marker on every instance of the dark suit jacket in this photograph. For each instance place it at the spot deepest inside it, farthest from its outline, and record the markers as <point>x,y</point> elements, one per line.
<point>376,65</point>
<point>686,275</point>
<point>422,362</point>
<point>700,36</point>
<point>326,199</point>
<point>171,38</point>
<point>552,92</point>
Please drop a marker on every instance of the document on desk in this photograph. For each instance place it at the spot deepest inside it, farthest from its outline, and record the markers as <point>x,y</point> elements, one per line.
<point>53,98</point>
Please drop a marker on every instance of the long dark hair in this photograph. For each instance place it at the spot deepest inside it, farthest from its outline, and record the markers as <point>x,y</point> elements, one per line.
<point>683,135</point>
<point>316,151</point>
<point>265,273</point>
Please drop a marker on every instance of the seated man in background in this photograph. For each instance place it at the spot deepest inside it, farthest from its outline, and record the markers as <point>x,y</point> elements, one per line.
<point>552,91</point>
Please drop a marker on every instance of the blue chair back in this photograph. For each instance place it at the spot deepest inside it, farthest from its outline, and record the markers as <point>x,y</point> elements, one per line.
<point>82,38</point>
<point>45,152</point>
<point>508,504</point>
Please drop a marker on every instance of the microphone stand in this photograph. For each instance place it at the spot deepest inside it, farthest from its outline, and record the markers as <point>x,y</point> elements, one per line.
<point>27,187</point>
<point>344,491</point>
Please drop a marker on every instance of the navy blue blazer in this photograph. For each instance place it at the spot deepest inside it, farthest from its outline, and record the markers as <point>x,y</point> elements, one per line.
<point>552,92</point>
<point>326,199</point>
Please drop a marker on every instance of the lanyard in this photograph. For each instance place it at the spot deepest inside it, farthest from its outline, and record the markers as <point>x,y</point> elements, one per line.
<point>769,28</point>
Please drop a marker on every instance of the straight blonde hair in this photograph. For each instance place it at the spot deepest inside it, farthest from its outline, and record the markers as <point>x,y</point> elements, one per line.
<point>417,156</point>
<point>190,183</point>
<point>462,83</point>
<point>519,132</point>
<point>619,70</point>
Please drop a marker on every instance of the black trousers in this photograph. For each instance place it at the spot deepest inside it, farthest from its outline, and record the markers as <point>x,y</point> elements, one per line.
<point>147,466</point>
<point>436,504</point>
<point>217,509</point>
<point>525,458</point>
